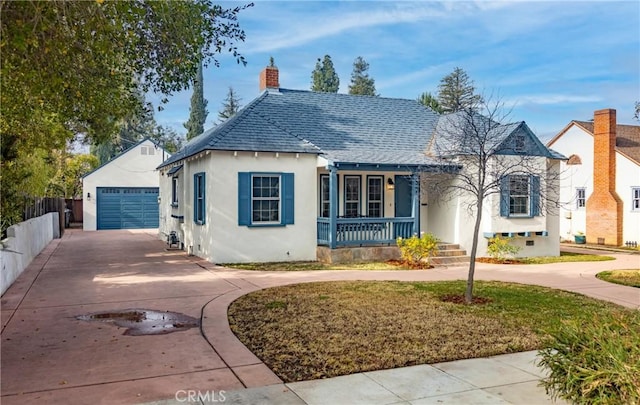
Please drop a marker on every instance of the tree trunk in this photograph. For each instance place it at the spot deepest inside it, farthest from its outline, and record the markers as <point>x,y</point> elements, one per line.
<point>468,295</point>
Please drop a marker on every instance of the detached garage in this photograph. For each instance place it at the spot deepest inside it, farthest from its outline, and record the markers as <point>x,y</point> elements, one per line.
<point>123,193</point>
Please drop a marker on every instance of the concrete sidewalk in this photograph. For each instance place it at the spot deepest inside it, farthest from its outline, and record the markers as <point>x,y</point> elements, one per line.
<point>504,379</point>
<point>48,355</point>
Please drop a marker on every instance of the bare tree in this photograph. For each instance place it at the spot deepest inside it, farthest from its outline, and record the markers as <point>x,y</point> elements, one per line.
<point>492,158</point>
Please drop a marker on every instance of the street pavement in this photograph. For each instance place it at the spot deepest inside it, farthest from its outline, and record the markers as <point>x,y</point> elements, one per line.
<point>50,356</point>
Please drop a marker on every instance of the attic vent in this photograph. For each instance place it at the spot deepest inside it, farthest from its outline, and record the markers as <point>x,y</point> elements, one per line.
<point>519,144</point>
<point>574,160</point>
<point>147,150</point>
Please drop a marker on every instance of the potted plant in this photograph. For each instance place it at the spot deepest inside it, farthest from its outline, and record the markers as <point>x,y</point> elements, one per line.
<point>580,238</point>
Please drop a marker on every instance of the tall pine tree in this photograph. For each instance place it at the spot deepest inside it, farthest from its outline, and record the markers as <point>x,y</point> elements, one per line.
<point>136,125</point>
<point>428,100</point>
<point>456,92</point>
<point>324,78</point>
<point>230,106</point>
<point>198,110</point>
<point>361,83</point>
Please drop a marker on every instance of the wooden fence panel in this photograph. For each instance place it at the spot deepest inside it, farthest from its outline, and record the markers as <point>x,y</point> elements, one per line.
<point>38,206</point>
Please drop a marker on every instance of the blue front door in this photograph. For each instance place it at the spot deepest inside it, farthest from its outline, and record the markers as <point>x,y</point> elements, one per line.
<point>402,198</point>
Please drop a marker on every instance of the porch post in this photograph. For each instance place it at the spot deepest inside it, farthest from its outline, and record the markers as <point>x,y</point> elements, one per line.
<point>415,202</point>
<point>333,206</point>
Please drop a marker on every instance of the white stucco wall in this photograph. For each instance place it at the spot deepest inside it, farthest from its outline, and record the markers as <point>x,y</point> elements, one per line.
<point>130,169</point>
<point>221,239</point>
<point>450,220</point>
<point>573,219</point>
<point>25,241</point>
<point>168,220</point>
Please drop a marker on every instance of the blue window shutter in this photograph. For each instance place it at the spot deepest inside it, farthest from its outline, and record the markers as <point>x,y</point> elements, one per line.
<point>535,196</point>
<point>195,198</point>
<point>504,196</point>
<point>244,198</point>
<point>288,203</point>
<point>203,204</point>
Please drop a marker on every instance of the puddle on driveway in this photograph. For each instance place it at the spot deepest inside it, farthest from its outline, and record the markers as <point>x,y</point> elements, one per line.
<point>141,322</point>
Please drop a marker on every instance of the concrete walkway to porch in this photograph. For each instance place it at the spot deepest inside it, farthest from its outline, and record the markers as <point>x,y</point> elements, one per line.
<point>50,356</point>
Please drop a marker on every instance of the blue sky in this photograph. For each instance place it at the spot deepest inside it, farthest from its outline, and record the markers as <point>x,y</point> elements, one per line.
<point>550,61</point>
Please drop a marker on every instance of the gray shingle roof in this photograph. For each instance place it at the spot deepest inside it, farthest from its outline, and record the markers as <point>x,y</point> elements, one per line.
<point>450,136</point>
<point>174,169</point>
<point>342,128</point>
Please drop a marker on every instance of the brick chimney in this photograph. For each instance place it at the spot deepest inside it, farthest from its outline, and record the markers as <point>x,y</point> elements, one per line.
<point>604,206</point>
<point>269,78</point>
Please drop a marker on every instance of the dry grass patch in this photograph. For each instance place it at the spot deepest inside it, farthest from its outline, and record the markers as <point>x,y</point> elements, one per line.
<point>314,265</point>
<point>624,277</point>
<point>320,330</point>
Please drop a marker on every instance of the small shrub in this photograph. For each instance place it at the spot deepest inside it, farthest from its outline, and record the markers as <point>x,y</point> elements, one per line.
<point>415,250</point>
<point>500,248</point>
<point>595,361</point>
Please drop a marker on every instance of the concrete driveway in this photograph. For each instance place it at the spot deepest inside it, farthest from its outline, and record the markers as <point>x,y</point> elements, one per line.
<point>50,356</point>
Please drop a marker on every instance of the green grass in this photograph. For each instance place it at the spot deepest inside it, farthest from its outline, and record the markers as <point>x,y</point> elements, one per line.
<point>565,257</point>
<point>595,361</point>
<point>320,330</point>
<point>624,277</point>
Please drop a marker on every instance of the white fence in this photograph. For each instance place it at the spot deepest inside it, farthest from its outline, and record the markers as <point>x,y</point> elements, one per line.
<point>24,241</point>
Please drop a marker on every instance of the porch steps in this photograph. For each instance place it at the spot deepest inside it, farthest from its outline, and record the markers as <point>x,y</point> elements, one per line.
<point>450,254</point>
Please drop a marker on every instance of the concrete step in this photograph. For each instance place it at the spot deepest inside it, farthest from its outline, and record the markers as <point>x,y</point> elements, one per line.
<point>449,260</point>
<point>448,246</point>
<point>452,252</point>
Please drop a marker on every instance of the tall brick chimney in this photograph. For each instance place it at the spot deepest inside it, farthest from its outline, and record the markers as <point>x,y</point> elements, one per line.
<point>269,78</point>
<point>604,206</point>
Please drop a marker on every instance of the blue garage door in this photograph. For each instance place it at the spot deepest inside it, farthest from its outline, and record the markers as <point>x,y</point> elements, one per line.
<point>127,207</point>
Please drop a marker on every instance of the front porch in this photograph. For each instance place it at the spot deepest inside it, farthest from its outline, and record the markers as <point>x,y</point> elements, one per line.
<point>448,254</point>
<point>375,205</point>
<point>364,231</point>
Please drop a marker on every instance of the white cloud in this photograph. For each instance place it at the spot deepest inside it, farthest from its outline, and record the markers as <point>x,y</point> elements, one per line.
<point>409,78</point>
<point>549,99</point>
<point>300,29</point>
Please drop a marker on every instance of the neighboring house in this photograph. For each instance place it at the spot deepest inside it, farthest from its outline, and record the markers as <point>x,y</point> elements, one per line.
<point>123,193</point>
<point>600,186</point>
<point>300,175</point>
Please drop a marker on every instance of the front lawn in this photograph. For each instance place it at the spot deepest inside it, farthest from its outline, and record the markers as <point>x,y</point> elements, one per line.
<point>397,265</point>
<point>566,257</point>
<point>624,277</point>
<point>319,330</point>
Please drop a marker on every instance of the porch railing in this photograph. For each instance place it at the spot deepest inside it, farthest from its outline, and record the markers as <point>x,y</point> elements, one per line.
<point>365,231</point>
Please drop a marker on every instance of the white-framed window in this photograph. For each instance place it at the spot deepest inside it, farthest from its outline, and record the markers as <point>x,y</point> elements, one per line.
<point>351,196</point>
<point>581,197</point>
<point>265,198</point>
<point>519,195</point>
<point>635,198</point>
<point>324,196</point>
<point>174,191</point>
<point>375,196</point>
